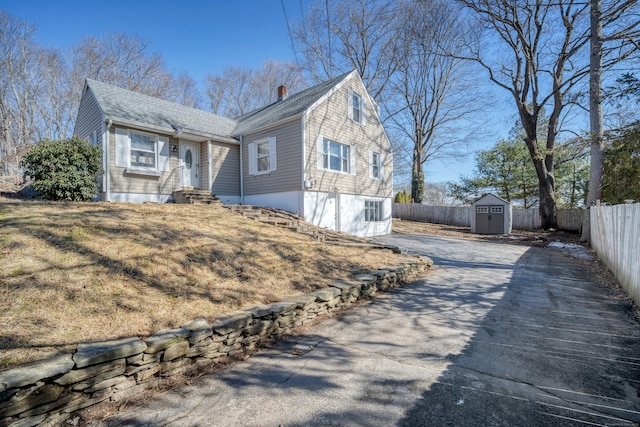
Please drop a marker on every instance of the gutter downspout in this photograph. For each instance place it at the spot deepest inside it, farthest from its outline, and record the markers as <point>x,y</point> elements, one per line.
<point>304,168</point>
<point>210,183</point>
<point>107,159</point>
<point>241,175</point>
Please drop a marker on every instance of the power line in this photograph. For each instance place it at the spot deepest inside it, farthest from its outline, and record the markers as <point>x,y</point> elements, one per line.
<point>293,46</point>
<point>326,5</point>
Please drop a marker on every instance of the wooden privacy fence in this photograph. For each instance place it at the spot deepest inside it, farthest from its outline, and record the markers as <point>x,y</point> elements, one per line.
<point>449,215</point>
<point>529,219</point>
<point>615,236</point>
<point>522,219</point>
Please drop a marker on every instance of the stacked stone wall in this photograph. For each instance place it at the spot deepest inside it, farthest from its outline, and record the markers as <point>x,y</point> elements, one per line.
<point>49,391</point>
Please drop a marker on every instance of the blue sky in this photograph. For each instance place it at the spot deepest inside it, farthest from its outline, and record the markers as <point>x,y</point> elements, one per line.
<point>198,37</point>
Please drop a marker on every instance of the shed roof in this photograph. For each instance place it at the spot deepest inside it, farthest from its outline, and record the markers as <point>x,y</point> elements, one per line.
<point>488,196</point>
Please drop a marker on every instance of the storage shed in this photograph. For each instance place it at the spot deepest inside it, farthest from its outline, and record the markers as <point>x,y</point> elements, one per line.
<point>490,214</point>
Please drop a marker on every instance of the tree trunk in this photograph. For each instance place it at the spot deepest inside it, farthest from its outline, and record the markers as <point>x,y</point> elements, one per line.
<point>547,206</point>
<point>595,117</point>
<point>417,177</point>
<point>546,181</point>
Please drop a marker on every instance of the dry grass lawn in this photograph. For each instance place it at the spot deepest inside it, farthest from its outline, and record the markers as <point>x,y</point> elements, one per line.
<point>75,272</point>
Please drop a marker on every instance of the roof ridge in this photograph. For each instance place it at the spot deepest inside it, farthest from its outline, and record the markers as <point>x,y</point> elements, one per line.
<point>155,98</point>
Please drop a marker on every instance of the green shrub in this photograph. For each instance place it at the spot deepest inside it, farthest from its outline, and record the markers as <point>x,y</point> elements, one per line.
<point>402,197</point>
<point>65,169</point>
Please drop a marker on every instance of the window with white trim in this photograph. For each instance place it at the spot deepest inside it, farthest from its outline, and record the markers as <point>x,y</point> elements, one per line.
<point>496,209</point>
<point>262,156</point>
<point>142,153</point>
<point>336,156</point>
<point>356,103</point>
<point>375,165</point>
<point>144,150</point>
<point>372,211</point>
<point>356,107</point>
<point>482,209</point>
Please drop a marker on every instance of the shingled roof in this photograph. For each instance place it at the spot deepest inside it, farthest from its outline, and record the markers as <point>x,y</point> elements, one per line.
<point>289,107</point>
<point>134,107</point>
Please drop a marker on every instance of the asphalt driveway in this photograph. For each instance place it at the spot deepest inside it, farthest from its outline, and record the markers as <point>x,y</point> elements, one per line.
<point>496,334</point>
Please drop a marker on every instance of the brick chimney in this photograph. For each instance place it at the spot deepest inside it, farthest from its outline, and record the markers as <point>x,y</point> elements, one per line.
<point>283,92</point>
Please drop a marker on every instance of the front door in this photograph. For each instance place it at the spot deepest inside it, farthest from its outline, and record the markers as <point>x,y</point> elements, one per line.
<point>190,162</point>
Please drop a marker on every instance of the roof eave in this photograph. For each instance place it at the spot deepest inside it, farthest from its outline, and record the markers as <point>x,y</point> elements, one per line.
<point>170,130</point>
<point>271,124</point>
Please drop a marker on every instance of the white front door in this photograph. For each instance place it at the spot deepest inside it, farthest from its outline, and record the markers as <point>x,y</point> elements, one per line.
<point>190,162</point>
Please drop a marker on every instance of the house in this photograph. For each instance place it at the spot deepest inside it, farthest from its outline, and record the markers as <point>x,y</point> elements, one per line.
<point>321,153</point>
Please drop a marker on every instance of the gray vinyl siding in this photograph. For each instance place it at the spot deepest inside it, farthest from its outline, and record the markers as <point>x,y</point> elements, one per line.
<point>120,182</point>
<point>330,120</point>
<point>288,173</point>
<point>204,165</point>
<point>225,169</point>
<point>89,118</point>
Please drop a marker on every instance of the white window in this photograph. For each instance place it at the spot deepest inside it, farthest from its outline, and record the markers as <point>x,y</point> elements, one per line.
<point>336,156</point>
<point>482,209</point>
<point>372,210</point>
<point>496,209</point>
<point>142,153</point>
<point>375,165</point>
<point>262,156</point>
<point>143,150</point>
<point>356,107</point>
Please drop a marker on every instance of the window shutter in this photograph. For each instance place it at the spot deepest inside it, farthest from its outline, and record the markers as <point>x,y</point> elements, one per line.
<point>363,111</point>
<point>251,148</point>
<point>272,153</point>
<point>350,104</point>
<point>381,160</point>
<point>352,160</point>
<point>122,148</point>
<point>163,153</point>
<point>319,144</point>
<point>371,164</point>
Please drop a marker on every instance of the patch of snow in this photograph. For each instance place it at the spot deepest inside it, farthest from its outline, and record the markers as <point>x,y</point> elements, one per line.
<point>571,249</point>
<point>561,245</point>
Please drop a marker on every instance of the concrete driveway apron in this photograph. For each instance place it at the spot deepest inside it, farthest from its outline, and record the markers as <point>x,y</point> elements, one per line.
<point>496,334</point>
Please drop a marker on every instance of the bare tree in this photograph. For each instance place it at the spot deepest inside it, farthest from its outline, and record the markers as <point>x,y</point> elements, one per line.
<point>20,82</point>
<point>55,106</point>
<point>185,91</point>
<point>337,36</point>
<point>240,90</point>
<point>621,21</point>
<point>430,91</point>
<point>546,57</point>
<point>121,60</point>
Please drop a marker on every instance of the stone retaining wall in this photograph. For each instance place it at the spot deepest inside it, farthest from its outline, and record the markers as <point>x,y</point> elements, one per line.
<point>47,392</point>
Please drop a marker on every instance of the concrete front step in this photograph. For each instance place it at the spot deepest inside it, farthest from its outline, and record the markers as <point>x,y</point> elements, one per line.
<point>195,197</point>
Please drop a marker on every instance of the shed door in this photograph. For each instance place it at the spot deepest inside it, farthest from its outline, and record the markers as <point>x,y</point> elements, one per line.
<point>496,219</point>
<point>482,219</point>
<point>490,219</point>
